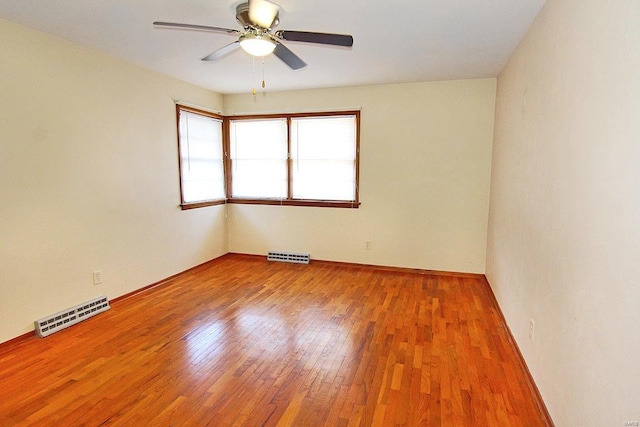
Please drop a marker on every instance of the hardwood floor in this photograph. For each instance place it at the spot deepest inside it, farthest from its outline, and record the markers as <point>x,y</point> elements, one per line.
<point>245,342</point>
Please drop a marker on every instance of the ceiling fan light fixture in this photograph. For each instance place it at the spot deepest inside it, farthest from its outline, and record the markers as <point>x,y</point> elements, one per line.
<point>257,44</point>
<point>257,37</point>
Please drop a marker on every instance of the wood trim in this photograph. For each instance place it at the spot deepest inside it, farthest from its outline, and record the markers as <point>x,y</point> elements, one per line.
<point>187,206</point>
<point>357,195</point>
<point>294,115</point>
<point>167,280</point>
<point>179,147</point>
<point>179,107</point>
<point>376,267</point>
<point>289,162</point>
<point>531,384</point>
<point>296,202</point>
<point>202,111</point>
<point>7,345</point>
<point>226,152</point>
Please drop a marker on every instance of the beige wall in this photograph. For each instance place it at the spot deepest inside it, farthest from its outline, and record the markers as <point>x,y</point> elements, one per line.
<point>424,179</point>
<point>89,178</point>
<point>564,229</point>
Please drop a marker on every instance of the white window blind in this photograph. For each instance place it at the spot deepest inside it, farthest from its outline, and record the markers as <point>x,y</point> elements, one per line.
<point>201,160</point>
<point>323,152</point>
<point>258,150</point>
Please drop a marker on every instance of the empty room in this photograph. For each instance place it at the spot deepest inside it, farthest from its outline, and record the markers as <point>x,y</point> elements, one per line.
<point>309,213</point>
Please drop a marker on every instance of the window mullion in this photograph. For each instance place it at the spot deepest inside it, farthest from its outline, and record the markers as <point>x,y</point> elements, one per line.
<point>289,162</point>
<point>226,152</point>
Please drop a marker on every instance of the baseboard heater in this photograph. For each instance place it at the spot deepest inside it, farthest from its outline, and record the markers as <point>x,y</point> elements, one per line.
<point>71,316</point>
<point>289,257</point>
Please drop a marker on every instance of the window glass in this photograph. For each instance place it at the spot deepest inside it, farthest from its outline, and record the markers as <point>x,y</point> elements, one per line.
<point>258,150</point>
<point>323,154</point>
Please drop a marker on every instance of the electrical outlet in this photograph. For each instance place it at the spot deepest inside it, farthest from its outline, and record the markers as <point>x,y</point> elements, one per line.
<point>97,277</point>
<point>531,328</point>
<point>367,245</point>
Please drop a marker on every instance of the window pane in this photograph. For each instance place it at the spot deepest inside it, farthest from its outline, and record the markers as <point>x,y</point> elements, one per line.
<point>323,150</point>
<point>259,158</point>
<point>201,162</point>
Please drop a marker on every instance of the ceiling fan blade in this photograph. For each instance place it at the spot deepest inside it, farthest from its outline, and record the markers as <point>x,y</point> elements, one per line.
<point>223,51</point>
<point>195,27</point>
<point>263,13</point>
<point>321,38</point>
<point>291,59</point>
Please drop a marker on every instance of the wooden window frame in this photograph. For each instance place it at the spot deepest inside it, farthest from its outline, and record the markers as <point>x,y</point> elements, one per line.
<point>290,201</point>
<point>202,203</point>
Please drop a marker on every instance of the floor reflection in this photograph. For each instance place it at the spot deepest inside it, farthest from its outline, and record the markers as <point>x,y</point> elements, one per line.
<point>206,342</point>
<point>253,336</point>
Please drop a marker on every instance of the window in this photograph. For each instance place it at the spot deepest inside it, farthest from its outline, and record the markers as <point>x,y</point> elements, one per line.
<point>323,155</point>
<point>295,159</point>
<point>286,159</point>
<point>258,151</point>
<point>202,179</point>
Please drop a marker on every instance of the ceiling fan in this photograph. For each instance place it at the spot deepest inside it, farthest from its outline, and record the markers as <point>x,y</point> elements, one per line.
<point>258,19</point>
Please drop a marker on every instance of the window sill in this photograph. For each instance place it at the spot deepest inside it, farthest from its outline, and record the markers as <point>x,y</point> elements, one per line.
<point>195,205</point>
<point>293,202</point>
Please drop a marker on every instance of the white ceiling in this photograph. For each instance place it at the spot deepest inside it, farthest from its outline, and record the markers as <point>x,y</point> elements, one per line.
<point>395,41</point>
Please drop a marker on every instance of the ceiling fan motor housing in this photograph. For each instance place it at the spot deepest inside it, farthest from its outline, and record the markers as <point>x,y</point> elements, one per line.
<point>242,16</point>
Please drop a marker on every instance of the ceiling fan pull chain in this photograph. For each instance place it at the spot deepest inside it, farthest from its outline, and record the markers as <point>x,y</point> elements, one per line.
<point>253,69</point>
